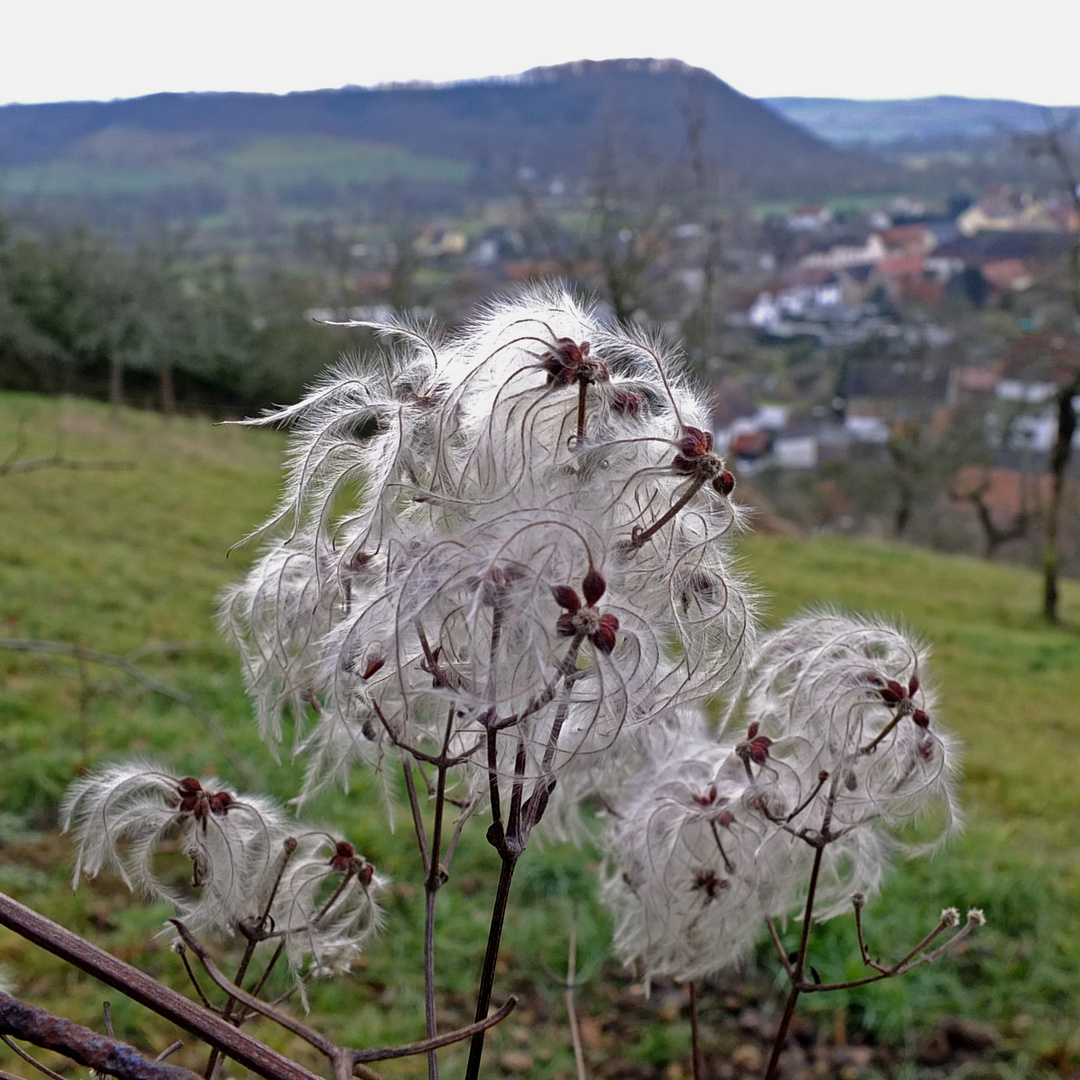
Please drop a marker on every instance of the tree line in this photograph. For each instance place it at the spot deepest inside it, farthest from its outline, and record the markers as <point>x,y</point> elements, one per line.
<point>142,325</point>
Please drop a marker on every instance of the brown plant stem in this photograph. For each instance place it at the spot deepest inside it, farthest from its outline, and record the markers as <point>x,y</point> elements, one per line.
<point>15,1048</point>
<point>258,987</point>
<point>571,1008</point>
<point>433,881</point>
<point>696,1060</point>
<point>916,957</point>
<point>781,952</point>
<point>213,1062</point>
<point>491,956</point>
<point>583,389</point>
<point>385,1053</point>
<point>254,936</point>
<point>328,1047</point>
<point>799,966</point>
<point>639,538</point>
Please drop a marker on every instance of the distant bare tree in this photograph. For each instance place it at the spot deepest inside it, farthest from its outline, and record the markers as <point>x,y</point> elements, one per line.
<point>704,206</point>
<point>995,534</point>
<point>1053,143</point>
<point>629,234</point>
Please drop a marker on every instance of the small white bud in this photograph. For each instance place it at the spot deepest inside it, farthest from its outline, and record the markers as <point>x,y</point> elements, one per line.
<point>950,916</point>
<point>975,917</point>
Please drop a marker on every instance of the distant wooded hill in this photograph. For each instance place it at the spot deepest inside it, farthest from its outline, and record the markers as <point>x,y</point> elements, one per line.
<point>934,122</point>
<point>192,150</point>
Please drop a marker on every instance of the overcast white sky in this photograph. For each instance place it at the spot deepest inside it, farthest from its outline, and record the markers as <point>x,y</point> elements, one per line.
<point>61,50</point>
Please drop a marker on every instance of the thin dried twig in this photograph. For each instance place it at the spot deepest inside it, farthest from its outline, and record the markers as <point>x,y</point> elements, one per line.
<point>571,1010</point>
<point>319,1041</point>
<point>697,1061</point>
<point>170,1049</point>
<point>29,1058</point>
<point>312,1037</point>
<point>425,1046</point>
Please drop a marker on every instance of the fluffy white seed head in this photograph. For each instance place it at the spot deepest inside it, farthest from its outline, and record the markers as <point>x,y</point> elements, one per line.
<point>126,816</point>
<point>326,905</point>
<point>831,744</point>
<point>848,696</point>
<point>503,474</point>
<point>700,856</point>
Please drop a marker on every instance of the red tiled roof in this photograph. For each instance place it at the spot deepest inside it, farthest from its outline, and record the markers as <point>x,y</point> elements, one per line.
<point>905,236</point>
<point>750,444</point>
<point>902,265</point>
<point>979,379</point>
<point>1040,355</point>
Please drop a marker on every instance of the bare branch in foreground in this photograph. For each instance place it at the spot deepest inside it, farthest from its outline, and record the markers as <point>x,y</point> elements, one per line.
<point>146,990</point>
<point>97,1052</point>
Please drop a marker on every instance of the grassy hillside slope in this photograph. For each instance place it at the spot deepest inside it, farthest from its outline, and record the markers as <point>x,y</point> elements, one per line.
<point>127,560</point>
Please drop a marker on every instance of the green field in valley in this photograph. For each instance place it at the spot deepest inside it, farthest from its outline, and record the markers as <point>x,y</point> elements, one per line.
<point>117,163</point>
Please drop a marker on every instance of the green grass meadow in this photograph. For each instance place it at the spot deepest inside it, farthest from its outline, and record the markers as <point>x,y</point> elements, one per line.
<point>128,560</point>
<point>109,166</point>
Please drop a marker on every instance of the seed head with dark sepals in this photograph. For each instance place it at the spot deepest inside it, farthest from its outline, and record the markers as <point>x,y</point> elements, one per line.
<point>587,621</point>
<point>894,693</point>
<point>567,362</point>
<point>345,860</point>
<point>696,458</point>
<point>754,747</point>
<point>192,798</point>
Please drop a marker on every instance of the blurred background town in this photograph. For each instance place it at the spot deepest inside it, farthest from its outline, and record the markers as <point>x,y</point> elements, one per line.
<point>879,296</point>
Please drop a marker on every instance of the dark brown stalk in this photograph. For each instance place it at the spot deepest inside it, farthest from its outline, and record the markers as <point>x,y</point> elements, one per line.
<point>916,957</point>
<point>583,389</point>
<point>509,840</point>
<point>181,951</point>
<point>798,968</point>
<point>314,1038</point>
<point>491,956</point>
<point>870,748</point>
<point>780,950</point>
<point>257,989</point>
<point>30,1060</point>
<point>417,818</point>
<point>728,865</point>
<point>566,669</point>
<point>433,881</point>
<point>639,538</point>
<point>385,1053</point>
<point>213,1062</point>
<point>515,833</point>
<point>697,1062</point>
<point>327,1047</point>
